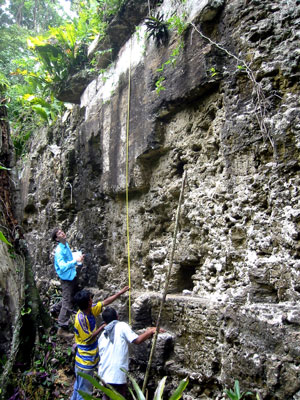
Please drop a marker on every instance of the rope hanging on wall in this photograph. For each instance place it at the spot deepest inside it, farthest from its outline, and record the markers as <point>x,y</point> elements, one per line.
<point>127,184</point>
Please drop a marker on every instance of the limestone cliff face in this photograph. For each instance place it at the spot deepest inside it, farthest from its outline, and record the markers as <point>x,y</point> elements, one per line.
<point>229,116</point>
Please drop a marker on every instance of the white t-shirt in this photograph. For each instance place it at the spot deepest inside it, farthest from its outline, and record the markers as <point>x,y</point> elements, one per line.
<point>114,356</point>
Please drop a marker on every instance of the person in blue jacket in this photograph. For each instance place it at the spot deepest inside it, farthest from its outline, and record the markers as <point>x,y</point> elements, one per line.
<point>65,264</point>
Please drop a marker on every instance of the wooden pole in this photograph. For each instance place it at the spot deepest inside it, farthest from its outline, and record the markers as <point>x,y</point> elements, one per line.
<point>163,299</point>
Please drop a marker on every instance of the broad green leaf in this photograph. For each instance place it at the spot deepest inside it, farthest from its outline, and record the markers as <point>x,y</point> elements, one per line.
<point>89,378</point>
<point>3,239</point>
<point>41,112</point>
<point>114,395</point>
<point>86,396</point>
<point>160,389</point>
<point>136,387</point>
<point>237,389</point>
<point>180,388</point>
<point>230,394</point>
<point>111,394</point>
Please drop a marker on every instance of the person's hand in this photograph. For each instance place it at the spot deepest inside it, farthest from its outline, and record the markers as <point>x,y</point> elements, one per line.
<point>125,289</point>
<point>153,330</point>
<point>79,258</point>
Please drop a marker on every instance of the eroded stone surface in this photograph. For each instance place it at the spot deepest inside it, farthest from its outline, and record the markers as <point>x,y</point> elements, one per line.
<point>232,309</point>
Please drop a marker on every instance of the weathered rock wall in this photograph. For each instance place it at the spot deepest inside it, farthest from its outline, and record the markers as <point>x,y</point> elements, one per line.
<point>11,268</point>
<point>234,127</point>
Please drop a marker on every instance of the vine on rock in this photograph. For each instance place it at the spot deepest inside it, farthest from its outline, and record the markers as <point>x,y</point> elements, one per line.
<point>260,99</point>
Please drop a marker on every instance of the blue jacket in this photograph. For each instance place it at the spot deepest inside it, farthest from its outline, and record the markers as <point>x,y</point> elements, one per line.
<point>64,264</point>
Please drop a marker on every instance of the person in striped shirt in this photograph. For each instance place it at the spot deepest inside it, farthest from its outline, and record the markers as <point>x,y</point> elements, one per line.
<point>86,335</point>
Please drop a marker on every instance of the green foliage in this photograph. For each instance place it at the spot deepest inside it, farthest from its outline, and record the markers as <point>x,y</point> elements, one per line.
<point>108,8</point>
<point>173,57</point>
<point>62,51</point>
<point>178,24</point>
<point>31,76</point>
<point>138,395</point>
<point>236,394</point>
<point>34,15</point>
<point>3,361</point>
<point>27,111</point>
<point>25,311</point>
<point>41,381</point>
<point>59,53</point>
<point>4,83</point>
<point>21,82</point>
<point>171,61</point>
<point>2,237</point>
<point>159,84</point>
<point>213,72</point>
<point>12,46</point>
<point>242,68</point>
<point>157,28</point>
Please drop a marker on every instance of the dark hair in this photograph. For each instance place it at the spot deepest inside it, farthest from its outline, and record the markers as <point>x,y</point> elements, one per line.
<point>109,314</point>
<point>82,299</point>
<point>53,234</point>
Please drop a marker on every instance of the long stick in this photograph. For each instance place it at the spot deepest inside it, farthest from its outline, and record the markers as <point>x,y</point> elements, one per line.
<point>127,186</point>
<point>166,286</point>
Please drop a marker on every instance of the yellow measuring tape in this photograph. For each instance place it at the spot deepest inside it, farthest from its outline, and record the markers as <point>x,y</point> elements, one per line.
<point>127,184</point>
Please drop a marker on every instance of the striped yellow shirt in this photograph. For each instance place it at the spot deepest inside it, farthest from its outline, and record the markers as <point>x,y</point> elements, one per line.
<point>87,355</point>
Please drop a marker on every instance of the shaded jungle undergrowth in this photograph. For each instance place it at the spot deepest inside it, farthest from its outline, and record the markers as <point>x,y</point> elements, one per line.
<point>50,375</point>
<point>48,372</point>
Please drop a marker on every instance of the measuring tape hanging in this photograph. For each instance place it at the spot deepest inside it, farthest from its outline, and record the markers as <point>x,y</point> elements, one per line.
<point>127,184</point>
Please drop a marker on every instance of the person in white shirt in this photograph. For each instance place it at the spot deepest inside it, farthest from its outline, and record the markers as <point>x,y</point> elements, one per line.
<point>114,349</point>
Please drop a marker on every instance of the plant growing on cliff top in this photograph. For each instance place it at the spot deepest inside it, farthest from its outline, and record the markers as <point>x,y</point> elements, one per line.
<point>178,25</point>
<point>138,395</point>
<point>59,53</point>
<point>157,28</point>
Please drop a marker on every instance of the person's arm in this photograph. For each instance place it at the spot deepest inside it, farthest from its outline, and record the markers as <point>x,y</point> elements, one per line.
<point>144,336</point>
<point>112,298</point>
<point>97,331</point>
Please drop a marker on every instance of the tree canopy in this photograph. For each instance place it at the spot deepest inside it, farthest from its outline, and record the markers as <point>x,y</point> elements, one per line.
<point>34,15</point>
<point>40,47</point>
